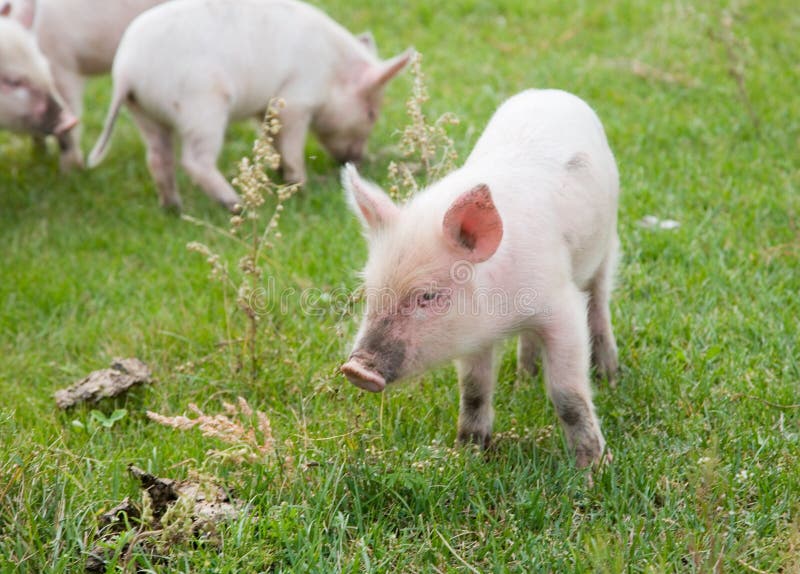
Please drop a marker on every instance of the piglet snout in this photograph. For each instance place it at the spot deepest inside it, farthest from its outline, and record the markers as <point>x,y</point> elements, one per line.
<point>352,153</point>
<point>362,376</point>
<point>66,122</point>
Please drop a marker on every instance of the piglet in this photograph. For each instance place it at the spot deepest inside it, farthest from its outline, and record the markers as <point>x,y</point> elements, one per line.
<point>521,240</point>
<point>29,101</point>
<point>79,39</point>
<point>188,67</point>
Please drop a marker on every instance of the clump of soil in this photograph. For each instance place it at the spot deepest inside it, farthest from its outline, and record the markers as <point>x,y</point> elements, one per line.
<point>172,511</point>
<point>98,385</point>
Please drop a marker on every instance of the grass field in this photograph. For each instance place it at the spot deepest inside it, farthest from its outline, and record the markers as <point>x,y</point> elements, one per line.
<point>704,424</point>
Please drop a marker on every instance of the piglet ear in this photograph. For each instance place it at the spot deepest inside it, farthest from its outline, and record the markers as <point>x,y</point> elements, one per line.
<point>23,11</point>
<point>472,226</point>
<point>369,202</point>
<point>378,76</point>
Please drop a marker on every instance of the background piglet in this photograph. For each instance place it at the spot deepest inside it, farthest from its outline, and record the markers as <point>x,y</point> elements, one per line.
<point>521,240</point>
<point>190,66</point>
<point>79,39</point>
<point>29,101</point>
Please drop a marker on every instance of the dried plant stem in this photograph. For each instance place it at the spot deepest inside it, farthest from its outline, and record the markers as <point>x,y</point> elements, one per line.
<point>138,537</point>
<point>248,431</point>
<point>214,228</point>
<point>228,330</point>
<point>735,53</point>
<point>737,74</point>
<point>244,279</point>
<point>428,150</point>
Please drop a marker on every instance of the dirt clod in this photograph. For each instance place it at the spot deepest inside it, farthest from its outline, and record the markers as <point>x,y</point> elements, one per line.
<point>173,511</point>
<point>123,374</point>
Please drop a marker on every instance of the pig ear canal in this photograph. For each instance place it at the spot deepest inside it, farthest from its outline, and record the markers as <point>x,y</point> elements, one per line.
<point>369,202</point>
<point>378,76</point>
<point>472,225</point>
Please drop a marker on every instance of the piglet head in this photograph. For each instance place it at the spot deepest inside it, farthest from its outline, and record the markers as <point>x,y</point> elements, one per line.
<point>29,101</point>
<point>344,122</point>
<point>419,281</point>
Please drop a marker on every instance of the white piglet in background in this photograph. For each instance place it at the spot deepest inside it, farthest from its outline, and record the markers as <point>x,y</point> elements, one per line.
<point>521,240</point>
<point>190,67</point>
<point>29,101</point>
<point>79,39</point>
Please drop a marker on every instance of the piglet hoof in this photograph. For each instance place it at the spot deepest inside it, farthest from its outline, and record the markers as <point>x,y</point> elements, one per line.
<point>606,459</point>
<point>477,438</point>
<point>294,177</point>
<point>591,451</point>
<point>606,364</point>
<point>235,207</point>
<point>39,146</point>
<point>525,373</point>
<point>610,376</point>
<point>71,161</point>
<point>171,207</point>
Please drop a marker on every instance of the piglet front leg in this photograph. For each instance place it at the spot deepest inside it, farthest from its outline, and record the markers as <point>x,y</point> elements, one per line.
<point>291,143</point>
<point>476,378</point>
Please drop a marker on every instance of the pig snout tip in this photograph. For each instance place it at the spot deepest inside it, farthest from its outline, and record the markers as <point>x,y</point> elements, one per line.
<point>362,377</point>
<point>65,123</point>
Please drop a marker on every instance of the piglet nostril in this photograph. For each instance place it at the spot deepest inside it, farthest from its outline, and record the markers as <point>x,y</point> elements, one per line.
<point>362,376</point>
<point>39,108</point>
<point>346,158</point>
<point>65,123</point>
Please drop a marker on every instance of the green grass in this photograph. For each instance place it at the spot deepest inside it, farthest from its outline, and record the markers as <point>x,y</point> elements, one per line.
<point>706,470</point>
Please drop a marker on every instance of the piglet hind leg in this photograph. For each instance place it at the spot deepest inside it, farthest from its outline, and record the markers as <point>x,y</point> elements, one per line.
<point>39,146</point>
<point>476,378</point>
<point>202,143</point>
<point>566,368</point>
<point>528,354</point>
<point>604,345</point>
<point>160,159</point>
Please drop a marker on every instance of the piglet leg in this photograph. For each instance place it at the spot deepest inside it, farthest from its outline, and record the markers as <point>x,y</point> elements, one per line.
<point>604,346</point>
<point>202,142</point>
<point>528,354</point>
<point>160,158</point>
<point>476,378</point>
<point>566,367</point>
<point>292,142</point>
<point>70,86</point>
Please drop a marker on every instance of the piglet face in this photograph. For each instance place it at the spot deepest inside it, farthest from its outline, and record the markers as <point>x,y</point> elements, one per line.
<point>28,99</point>
<point>26,108</point>
<point>343,124</point>
<point>419,283</point>
<point>401,334</point>
<point>19,105</point>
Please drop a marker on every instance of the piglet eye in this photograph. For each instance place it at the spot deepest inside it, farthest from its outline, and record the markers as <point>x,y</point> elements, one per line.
<point>12,83</point>
<point>372,115</point>
<point>425,299</point>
